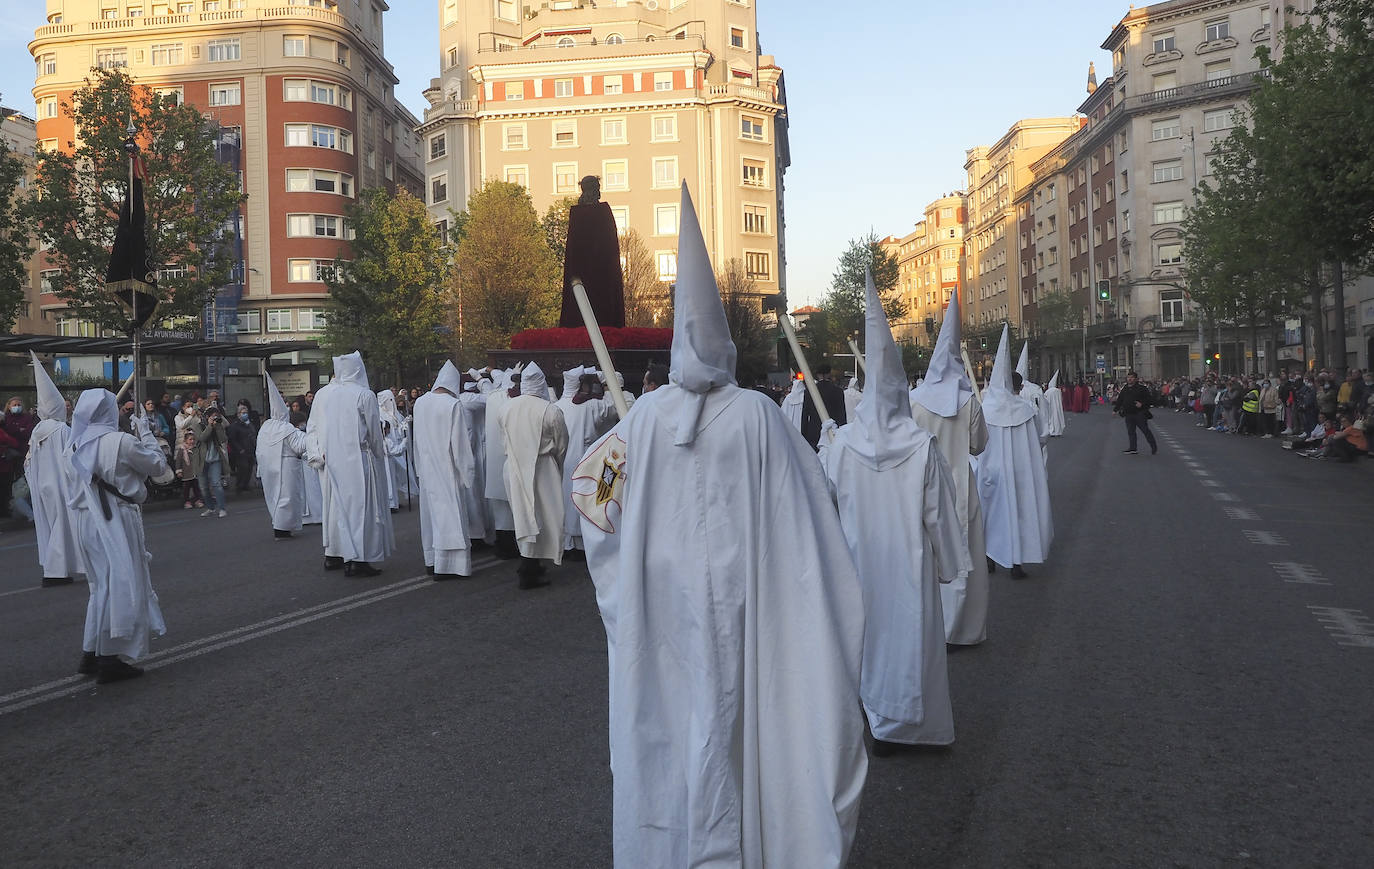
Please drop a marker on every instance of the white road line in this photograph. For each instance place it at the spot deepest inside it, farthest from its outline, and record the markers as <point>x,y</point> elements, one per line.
<point>1299,574</point>
<point>1264,538</point>
<point>21,590</point>
<point>15,701</point>
<point>1224,496</point>
<point>1213,484</point>
<point>1346,627</point>
<point>1245,514</point>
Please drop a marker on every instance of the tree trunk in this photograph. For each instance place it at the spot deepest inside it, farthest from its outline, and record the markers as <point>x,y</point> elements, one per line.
<point>1338,299</point>
<point>1314,288</point>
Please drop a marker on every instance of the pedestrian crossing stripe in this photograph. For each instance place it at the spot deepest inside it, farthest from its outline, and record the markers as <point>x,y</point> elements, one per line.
<point>1300,574</point>
<point>1244,514</point>
<point>1264,538</point>
<point>1346,626</point>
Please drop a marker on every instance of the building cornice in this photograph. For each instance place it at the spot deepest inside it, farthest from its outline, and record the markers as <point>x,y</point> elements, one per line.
<point>546,68</point>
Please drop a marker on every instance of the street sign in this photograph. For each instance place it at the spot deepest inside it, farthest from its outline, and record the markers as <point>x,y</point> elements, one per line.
<point>1101,363</point>
<point>1194,355</point>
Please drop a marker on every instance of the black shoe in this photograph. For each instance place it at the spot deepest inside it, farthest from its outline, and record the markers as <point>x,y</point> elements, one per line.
<point>443,577</point>
<point>1018,572</point>
<point>359,568</point>
<point>1154,451</point>
<point>1131,452</point>
<point>883,748</point>
<point>574,555</point>
<point>333,562</point>
<point>278,534</point>
<point>88,664</point>
<point>429,568</point>
<point>109,668</point>
<point>50,581</point>
<point>478,545</point>
<point>992,566</point>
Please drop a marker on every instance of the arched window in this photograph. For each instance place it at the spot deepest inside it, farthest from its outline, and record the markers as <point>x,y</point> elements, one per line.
<point>566,42</point>
<point>615,39</point>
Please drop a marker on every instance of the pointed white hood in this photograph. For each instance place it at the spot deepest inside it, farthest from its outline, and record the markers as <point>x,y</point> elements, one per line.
<point>277,427</point>
<point>350,369</point>
<point>946,388</point>
<point>1022,364</point>
<point>276,405</point>
<point>449,378</point>
<point>533,381</point>
<point>703,354</point>
<point>885,434</point>
<point>1054,381</point>
<point>1001,405</point>
<point>386,407</point>
<point>572,378</point>
<point>51,404</point>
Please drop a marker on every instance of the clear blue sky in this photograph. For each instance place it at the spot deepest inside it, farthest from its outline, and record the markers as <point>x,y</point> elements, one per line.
<point>883,100</point>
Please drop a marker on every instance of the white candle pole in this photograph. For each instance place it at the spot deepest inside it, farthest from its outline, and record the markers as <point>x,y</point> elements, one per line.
<point>786,322</point>
<point>603,355</point>
<point>859,356</point>
<point>968,369</point>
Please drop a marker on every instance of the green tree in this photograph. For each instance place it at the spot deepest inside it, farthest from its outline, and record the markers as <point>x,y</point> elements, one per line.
<point>647,301</point>
<point>555,224</point>
<point>744,312</point>
<point>15,249</point>
<point>191,197</point>
<point>507,279</point>
<point>845,301</point>
<point>390,297</point>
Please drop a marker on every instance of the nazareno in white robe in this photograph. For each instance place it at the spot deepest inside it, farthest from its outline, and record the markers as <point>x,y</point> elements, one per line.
<point>280,449</point>
<point>792,403</point>
<point>1011,474</point>
<point>498,499</point>
<point>733,616</point>
<point>585,423</point>
<point>314,494</point>
<point>51,482</point>
<point>123,611</point>
<point>443,454</point>
<point>1052,418</point>
<point>396,442</point>
<point>345,435</point>
<point>475,508</point>
<point>536,443</point>
<point>897,507</point>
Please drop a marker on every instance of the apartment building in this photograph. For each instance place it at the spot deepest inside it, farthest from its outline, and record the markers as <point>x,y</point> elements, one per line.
<point>642,93</point>
<point>997,175</point>
<point>930,262</point>
<point>20,133</point>
<point>304,97</point>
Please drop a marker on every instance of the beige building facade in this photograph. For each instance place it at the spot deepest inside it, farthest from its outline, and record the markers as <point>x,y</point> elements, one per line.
<point>642,93</point>
<point>303,95</point>
<point>930,264</point>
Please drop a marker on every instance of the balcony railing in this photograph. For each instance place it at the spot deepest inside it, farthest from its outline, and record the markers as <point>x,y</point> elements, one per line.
<point>152,22</point>
<point>1217,87</point>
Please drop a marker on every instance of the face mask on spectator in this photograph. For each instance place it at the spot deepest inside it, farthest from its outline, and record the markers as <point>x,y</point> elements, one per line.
<point>243,415</point>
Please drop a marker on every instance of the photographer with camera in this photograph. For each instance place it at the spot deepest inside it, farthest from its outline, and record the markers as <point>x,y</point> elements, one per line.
<point>212,434</point>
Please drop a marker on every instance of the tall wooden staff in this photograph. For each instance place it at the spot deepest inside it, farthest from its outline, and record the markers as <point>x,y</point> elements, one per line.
<point>786,322</point>
<point>603,355</point>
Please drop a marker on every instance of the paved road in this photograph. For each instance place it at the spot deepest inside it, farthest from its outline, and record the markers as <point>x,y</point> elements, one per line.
<point>1167,692</point>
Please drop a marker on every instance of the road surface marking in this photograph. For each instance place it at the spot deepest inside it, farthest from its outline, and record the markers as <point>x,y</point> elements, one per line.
<point>1346,627</point>
<point>1211,484</point>
<point>1300,574</point>
<point>1264,538</point>
<point>1224,496</point>
<point>1245,514</point>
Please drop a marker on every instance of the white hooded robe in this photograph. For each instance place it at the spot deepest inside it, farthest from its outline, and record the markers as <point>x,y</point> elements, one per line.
<point>536,443</point>
<point>344,436</point>
<point>443,454</point>
<point>1053,405</point>
<point>498,499</point>
<point>792,403</point>
<point>280,449</point>
<point>585,422</point>
<point>733,616</point>
<point>897,506</point>
<point>475,508</point>
<point>51,481</point>
<point>1031,391</point>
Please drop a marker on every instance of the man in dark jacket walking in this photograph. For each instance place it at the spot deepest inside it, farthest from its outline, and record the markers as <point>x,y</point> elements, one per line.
<point>833,397</point>
<point>1133,403</point>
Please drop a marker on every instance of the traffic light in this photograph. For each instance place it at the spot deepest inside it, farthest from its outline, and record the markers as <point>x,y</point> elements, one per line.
<point>1210,356</point>
<point>983,342</point>
<point>1104,291</point>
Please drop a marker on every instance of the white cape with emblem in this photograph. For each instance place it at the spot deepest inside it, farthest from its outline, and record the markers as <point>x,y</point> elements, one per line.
<point>446,465</point>
<point>733,616</point>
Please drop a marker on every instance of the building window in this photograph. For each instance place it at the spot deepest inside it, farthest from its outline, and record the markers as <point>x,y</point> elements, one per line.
<point>613,131</point>
<point>621,213</point>
<point>322,93</point>
<point>311,319</point>
<point>1165,81</point>
<point>279,319</point>
<point>565,134</point>
<point>47,107</point>
<point>665,220</point>
<point>663,81</point>
<point>612,84</point>
<point>111,58</point>
<point>1168,128</point>
<point>665,128</point>
<point>248,322</point>
<point>293,46</point>
<point>615,39</point>
<point>1218,73</point>
<point>564,177</point>
<point>515,90</point>
<point>665,172</point>
<point>1164,42</point>
<point>562,87</point>
<point>1219,119</point>
<point>1171,307</point>
<point>438,189</point>
<point>751,128</point>
<point>167,54</point>
<point>174,93</point>
<point>737,37</point>
<point>615,175</point>
<point>47,64</point>
<point>518,175</point>
<point>756,218</point>
<point>326,226</point>
<point>1170,254</point>
<point>1168,212</point>
<point>220,50</point>
<point>228,94</point>
<point>756,265</point>
<point>755,173</point>
<point>1169,170</point>
<point>505,10</point>
<point>1218,30</point>
<point>438,146</point>
<point>513,137</point>
<point>667,265</point>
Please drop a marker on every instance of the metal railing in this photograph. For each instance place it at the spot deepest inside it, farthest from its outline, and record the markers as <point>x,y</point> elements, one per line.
<point>1217,87</point>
